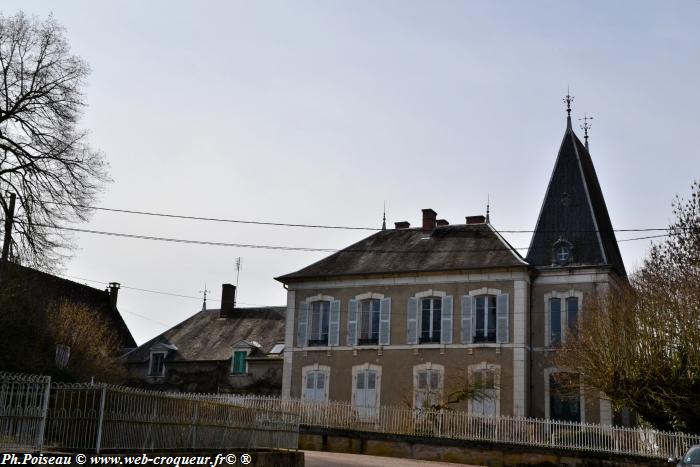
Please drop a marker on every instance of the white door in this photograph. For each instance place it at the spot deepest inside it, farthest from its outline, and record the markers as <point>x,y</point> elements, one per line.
<point>315,389</point>
<point>366,400</point>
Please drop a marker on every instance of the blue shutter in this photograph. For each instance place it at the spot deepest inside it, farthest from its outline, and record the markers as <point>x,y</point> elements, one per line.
<point>302,324</point>
<point>334,325</point>
<point>502,318</point>
<point>384,321</point>
<point>446,325</point>
<point>467,333</point>
<point>352,322</point>
<point>412,322</point>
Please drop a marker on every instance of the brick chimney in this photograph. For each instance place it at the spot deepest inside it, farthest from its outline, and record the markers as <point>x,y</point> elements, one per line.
<point>228,300</point>
<point>429,217</point>
<point>401,225</point>
<point>476,219</point>
<point>441,222</point>
<point>113,293</point>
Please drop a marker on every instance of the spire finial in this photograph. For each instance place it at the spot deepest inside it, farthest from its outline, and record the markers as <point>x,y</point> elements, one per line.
<point>585,127</point>
<point>568,100</point>
<point>384,217</point>
<point>488,207</point>
<point>204,304</point>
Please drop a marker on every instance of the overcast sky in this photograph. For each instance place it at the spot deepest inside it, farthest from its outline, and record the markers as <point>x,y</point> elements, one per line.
<point>319,112</point>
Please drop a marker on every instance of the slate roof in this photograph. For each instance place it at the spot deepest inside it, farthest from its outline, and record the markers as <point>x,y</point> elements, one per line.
<point>446,248</point>
<point>206,337</point>
<point>582,219</point>
<point>45,288</point>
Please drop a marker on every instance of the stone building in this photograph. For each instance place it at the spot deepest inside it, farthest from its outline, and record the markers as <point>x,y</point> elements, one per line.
<point>405,315</point>
<point>226,350</point>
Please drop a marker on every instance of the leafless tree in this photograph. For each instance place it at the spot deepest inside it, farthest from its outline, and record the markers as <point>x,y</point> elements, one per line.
<point>640,344</point>
<point>44,157</point>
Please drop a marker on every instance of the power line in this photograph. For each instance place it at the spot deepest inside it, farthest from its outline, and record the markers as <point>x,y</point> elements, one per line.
<point>310,249</point>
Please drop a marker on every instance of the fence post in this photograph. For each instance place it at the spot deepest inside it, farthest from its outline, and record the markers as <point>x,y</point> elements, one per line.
<point>39,443</point>
<point>100,419</point>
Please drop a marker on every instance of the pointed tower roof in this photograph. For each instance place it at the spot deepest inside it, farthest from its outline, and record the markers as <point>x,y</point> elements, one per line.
<point>574,213</point>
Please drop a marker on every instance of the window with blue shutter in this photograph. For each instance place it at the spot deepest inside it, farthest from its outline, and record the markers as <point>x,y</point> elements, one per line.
<point>412,321</point>
<point>467,334</point>
<point>352,322</point>
<point>446,333</point>
<point>334,324</point>
<point>302,324</point>
<point>502,318</point>
<point>239,366</point>
<point>385,321</point>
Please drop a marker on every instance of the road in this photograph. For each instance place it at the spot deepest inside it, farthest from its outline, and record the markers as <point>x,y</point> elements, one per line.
<point>334,459</point>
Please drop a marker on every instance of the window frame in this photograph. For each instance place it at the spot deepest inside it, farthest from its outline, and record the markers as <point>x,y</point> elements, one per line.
<point>245,363</point>
<point>548,372</point>
<point>373,315</point>
<point>564,325</point>
<point>431,395</point>
<point>486,337</point>
<point>495,370</point>
<point>315,369</point>
<point>364,412</point>
<point>432,338</point>
<point>162,363</point>
<point>320,342</point>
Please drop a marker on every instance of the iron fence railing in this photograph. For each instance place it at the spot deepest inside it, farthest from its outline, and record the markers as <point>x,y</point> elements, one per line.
<point>23,404</point>
<point>464,426</point>
<point>36,415</point>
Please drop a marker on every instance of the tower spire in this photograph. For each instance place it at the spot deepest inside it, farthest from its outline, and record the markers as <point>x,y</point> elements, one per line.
<point>204,303</point>
<point>568,100</point>
<point>384,217</point>
<point>585,127</point>
<point>488,206</point>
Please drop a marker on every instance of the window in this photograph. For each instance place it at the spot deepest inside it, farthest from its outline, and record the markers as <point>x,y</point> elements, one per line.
<point>564,397</point>
<point>239,365</point>
<point>157,364</point>
<point>319,315</point>
<point>572,314</point>
<point>369,322</point>
<point>427,385</point>
<point>554,321</point>
<point>365,397</point>
<point>485,400</point>
<point>485,326</point>
<point>315,382</point>
<point>431,316</point>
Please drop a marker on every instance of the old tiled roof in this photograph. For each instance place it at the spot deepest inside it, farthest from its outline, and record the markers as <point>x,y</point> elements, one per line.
<point>44,288</point>
<point>574,209</point>
<point>206,336</point>
<point>446,248</point>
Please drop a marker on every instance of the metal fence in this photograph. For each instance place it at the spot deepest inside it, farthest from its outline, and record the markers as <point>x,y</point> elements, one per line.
<point>36,415</point>
<point>23,404</point>
<point>463,426</point>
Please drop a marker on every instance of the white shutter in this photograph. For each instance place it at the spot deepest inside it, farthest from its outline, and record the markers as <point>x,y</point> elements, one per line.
<point>384,321</point>
<point>302,324</point>
<point>466,331</point>
<point>352,322</point>
<point>334,324</point>
<point>446,325</point>
<point>502,318</point>
<point>412,323</point>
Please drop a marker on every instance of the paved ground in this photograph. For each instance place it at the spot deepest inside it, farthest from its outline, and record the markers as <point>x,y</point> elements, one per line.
<point>332,459</point>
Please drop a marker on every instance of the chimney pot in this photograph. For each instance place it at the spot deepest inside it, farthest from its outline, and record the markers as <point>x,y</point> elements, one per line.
<point>441,222</point>
<point>113,293</point>
<point>476,219</point>
<point>429,217</point>
<point>401,225</point>
<point>228,300</point>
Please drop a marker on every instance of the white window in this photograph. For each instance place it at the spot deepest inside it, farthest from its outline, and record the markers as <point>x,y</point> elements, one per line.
<point>431,317</point>
<point>427,385</point>
<point>366,390</point>
<point>485,318</point>
<point>319,319</point>
<point>562,311</point>
<point>369,322</point>
<point>315,380</point>
<point>486,381</point>
<point>156,365</point>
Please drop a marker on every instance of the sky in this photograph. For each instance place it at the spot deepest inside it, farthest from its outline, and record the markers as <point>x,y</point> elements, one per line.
<point>319,112</point>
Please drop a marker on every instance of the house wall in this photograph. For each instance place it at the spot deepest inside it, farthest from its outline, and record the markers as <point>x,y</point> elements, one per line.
<point>398,358</point>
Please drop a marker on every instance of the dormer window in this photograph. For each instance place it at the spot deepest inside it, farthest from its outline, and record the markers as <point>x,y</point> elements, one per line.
<point>156,365</point>
<point>562,253</point>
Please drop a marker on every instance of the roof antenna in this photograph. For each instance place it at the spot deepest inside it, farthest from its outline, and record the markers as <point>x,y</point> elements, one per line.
<point>384,217</point>
<point>568,100</point>
<point>238,273</point>
<point>585,127</point>
<point>488,206</point>
<point>204,304</point>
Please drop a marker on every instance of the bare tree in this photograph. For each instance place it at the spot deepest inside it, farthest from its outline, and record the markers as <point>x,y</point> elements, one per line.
<point>44,157</point>
<point>640,344</point>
